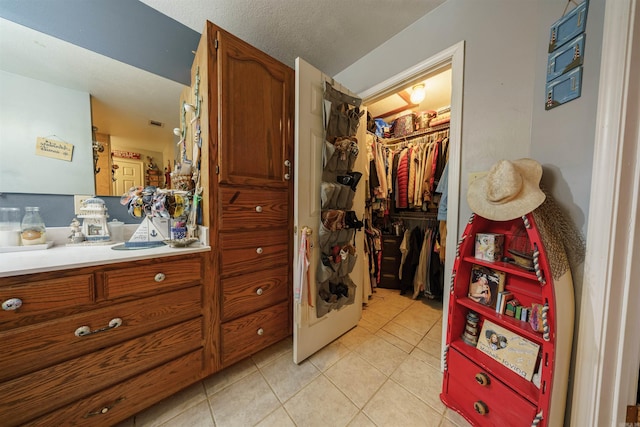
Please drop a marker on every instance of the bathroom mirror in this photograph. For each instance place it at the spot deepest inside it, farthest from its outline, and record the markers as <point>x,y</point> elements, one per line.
<point>51,95</point>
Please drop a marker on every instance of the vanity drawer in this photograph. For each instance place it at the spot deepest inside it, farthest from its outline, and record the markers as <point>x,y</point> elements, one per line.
<point>47,343</point>
<point>250,251</point>
<point>251,292</point>
<point>41,296</point>
<point>504,406</point>
<point>112,405</point>
<point>21,399</point>
<point>249,334</point>
<point>160,276</point>
<point>252,208</point>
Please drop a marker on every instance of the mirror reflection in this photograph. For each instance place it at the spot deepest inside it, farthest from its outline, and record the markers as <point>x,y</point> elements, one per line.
<point>118,119</point>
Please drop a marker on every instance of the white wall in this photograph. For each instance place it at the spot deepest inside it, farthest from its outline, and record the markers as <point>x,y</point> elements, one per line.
<point>30,109</point>
<point>503,100</point>
<point>500,67</point>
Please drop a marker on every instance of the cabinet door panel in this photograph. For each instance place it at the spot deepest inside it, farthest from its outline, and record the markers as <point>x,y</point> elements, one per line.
<point>255,115</point>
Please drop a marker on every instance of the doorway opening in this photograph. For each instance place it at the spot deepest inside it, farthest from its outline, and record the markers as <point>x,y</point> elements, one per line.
<point>451,61</point>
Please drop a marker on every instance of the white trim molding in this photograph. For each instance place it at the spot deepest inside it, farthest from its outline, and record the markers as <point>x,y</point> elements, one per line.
<point>608,348</point>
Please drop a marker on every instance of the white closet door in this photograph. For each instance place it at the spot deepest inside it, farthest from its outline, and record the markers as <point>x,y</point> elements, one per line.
<point>311,333</point>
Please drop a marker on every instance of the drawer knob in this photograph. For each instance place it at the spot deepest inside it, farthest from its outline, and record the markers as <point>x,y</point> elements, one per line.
<point>11,304</point>
<point>160,277</point>
<point>104,409</point>
<point>482,379</point>
<point>259,251</point>
<point>481,407</point>
<point>259,291</point>
<point>258,209</point>
<point>260,331</point>
<point>83,331</point>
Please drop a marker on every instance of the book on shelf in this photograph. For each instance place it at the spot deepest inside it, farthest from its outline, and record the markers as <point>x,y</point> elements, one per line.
<point>509,349</point>
<point>485,284</point>
<point>503,298</point>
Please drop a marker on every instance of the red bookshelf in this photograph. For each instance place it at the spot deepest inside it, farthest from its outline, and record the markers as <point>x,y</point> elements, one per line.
<point>481,388</point>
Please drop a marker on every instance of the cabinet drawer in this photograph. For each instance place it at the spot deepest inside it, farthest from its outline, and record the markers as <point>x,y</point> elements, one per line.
<point>21,399</point>
<point>43,296</point>
<point>505,406</point>
<point>252,292</point>
<point>154,277</point>
<point>118,402</point>
<point>251,208</point>
<point>246,335</point>
<point>47,343</point>
<point>249,251</point>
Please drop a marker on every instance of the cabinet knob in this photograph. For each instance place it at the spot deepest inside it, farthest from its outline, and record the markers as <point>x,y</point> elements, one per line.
<point>104,409</point>
<point>259,251</point>
<point>259,291</point>
<point>11,304</point>
<point>159,277</point>
<point>258,209</point>
<point>260,331</point>
<point>482,379</point>
<point>481,407</point>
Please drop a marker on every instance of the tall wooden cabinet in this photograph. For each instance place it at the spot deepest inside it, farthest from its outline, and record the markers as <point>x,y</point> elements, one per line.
<point>247,132</point>
<point>482,389</point>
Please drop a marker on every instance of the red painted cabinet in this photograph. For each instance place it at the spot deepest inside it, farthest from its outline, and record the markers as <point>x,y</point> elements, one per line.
<point>481,387</point>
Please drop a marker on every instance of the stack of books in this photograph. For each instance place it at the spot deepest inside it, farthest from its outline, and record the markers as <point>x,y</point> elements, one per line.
<point>509,305</point>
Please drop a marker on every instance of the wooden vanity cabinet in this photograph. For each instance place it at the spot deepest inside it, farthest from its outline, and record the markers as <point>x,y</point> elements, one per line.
<point>95,345</point>
<point>246,116</point>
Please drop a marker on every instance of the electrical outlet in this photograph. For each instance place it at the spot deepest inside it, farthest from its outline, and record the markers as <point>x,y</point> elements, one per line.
<point>78,199</point>
<point>475,175</point>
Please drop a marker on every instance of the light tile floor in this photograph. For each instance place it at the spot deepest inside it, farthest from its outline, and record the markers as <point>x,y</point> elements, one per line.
<point>384,372</point>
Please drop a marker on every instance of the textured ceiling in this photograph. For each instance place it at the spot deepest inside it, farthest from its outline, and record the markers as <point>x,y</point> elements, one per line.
<point>329,34</point>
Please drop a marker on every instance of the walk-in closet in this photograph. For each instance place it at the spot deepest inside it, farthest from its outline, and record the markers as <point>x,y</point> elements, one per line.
<point>405,216</point>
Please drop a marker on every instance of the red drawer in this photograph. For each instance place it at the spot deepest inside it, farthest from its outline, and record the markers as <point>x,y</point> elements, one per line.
<point>504,406</point>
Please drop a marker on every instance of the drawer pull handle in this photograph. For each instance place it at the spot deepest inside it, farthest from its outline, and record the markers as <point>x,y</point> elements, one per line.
<point>259,250</point>
<point>260,331</point>
<point>481,407</point>
<point>482,379</point>
<point>104,409</point>
<point>259,291</point>
<point>11,304</point>
<point>83,331</point>
<point>287,175</point>
<point>160,277</point>
<point>258,209</point>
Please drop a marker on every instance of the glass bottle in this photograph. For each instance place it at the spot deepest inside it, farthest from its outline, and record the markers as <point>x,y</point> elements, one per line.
<point>33,231</point>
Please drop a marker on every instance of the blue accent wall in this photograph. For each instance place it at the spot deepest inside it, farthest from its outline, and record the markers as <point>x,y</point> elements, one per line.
<point>57,210</point>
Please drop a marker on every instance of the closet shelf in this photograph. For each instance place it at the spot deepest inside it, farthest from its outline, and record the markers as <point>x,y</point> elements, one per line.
<point>416,134</point>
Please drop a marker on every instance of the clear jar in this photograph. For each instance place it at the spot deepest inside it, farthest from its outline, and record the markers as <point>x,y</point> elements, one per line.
<point>33,231</point>
<point>9,227</point>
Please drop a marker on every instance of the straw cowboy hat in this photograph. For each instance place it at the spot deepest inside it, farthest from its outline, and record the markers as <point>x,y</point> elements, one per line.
<point>510,190</point>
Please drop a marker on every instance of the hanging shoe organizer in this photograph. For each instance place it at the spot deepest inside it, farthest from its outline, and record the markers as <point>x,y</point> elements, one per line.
<point>339,223</point>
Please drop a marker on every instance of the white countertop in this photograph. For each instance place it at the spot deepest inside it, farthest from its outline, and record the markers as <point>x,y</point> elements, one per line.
<point>61,257</point>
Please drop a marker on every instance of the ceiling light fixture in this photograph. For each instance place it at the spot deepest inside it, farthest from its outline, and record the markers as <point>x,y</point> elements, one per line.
<point>417,93</point>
